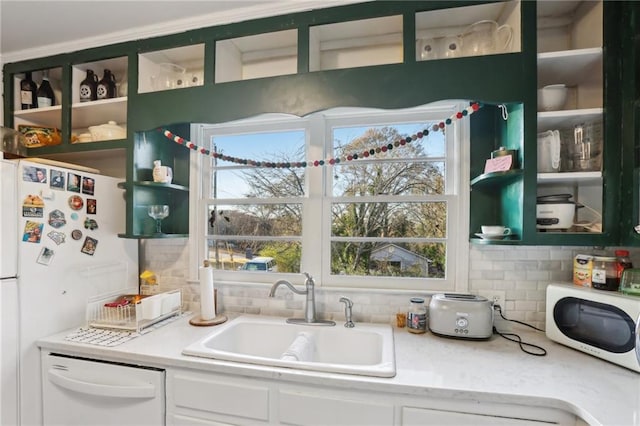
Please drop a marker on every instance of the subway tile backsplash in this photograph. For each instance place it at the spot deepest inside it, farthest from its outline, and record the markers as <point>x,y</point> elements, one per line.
<point>522,272</point>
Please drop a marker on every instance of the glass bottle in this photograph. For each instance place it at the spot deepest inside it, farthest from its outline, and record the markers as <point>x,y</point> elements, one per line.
<point>106,88</point>
<point>46,97</point>
<point>28,92</point>
<point>624,262</point>
<point>88,87</point>
<point>417,316</point>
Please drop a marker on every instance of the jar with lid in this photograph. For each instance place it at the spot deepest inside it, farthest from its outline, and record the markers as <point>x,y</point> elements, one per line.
<point>605,273</point>
<point>624,262</point>
<point>417,316</point>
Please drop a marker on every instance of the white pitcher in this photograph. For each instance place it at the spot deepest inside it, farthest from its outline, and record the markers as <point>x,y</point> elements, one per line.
<point>486,38</point>
<point>162,174</point>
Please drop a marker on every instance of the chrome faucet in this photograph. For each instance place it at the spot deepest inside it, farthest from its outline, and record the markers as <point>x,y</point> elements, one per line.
<point>310,303</point>
<point>348,304</point>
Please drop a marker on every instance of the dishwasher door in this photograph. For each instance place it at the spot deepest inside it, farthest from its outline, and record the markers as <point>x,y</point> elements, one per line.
<point>78,391</point>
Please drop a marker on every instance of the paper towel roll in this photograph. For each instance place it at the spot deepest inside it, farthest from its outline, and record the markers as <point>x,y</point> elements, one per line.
<point>207,307</point>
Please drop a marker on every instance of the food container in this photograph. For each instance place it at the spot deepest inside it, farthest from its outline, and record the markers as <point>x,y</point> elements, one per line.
<point>107,131</point>
<point>582,269</point>
<point>630,282</point>
<point>581,148</point>
<point>36,136</point>
<point>552,97</point>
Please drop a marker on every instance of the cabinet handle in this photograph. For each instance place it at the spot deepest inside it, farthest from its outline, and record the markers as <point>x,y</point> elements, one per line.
<point>138,391</point>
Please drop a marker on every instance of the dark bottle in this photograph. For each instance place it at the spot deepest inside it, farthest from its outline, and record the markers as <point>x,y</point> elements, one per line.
<point>88,87</point>
<point>106,88</point>
<point>28,92</point>
<point>45,92</point>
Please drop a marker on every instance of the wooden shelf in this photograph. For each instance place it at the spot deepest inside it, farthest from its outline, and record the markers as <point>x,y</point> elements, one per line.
<point>553,120</point>
<point>85,114</point>
<point>570,67</point>
<point>570,178</point>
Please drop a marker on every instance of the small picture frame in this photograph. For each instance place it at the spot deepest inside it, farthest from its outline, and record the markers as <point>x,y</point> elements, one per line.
<point>73,182</point>
<point>57,179</point>
<point>46,256</point>
<point>92,206</point>
<point>88,185</point>
<point>89,246</point>
<point>34,174</point>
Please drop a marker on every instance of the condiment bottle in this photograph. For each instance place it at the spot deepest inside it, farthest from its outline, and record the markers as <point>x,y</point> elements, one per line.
<point>88,87</point>
<point>417,316</point>
<point>624,262</point>
<point>28,95</point>
<point>605,273</point>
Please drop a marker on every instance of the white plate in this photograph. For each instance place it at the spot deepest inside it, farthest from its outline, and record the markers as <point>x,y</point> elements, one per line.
<point>493,236</point>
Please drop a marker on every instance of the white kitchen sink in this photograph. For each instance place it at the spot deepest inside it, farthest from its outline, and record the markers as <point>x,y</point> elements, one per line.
<point>366,349</point>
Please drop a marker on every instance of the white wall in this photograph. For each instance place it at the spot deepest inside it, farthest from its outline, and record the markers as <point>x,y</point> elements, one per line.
<point>522,272</point>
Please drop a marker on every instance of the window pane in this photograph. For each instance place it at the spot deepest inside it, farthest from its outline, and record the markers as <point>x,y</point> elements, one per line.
<point>255,256</point>
<point>388,259</point>
<point>356,140</point>
<point>255,220</point>
<point>233,180</point>
<point>389,178</point>
<point>390,220</point>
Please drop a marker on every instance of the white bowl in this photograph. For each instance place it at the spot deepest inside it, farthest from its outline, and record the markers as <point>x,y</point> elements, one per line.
<point>552,97</point>
<point>107,131</point>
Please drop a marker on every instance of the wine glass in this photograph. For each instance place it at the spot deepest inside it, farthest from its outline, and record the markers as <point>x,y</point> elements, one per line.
<point>158,212</point>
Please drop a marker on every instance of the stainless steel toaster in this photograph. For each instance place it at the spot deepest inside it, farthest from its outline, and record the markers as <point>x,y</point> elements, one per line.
<point>461,315</point>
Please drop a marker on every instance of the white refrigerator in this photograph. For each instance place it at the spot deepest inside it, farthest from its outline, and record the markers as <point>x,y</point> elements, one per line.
<point>59,248</point>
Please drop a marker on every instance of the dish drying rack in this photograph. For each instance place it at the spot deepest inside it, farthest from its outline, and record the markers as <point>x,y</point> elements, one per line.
<point>135,316</point>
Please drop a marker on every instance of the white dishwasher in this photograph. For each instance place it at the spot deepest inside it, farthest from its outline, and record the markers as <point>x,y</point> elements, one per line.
<point>78,391</point>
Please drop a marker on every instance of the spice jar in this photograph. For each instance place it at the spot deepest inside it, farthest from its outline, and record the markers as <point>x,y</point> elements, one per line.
<point>605,273</point>
<point>417,316</point>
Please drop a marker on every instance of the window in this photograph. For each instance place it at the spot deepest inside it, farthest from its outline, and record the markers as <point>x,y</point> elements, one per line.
<point>352,196</point>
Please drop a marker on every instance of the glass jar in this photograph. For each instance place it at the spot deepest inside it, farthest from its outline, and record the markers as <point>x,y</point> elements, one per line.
<point>605,273</point>
<point>417,316</point>
<point>624,262</point>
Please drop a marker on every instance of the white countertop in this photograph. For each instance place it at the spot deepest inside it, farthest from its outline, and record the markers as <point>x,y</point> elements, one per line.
<point>495,370</point>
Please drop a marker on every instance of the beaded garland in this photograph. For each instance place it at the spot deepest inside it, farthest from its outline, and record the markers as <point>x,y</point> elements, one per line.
<point>331,161</point>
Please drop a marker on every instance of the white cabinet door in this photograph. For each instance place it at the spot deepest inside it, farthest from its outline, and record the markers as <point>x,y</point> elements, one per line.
<point>306,407</point>
<point>412,416</point>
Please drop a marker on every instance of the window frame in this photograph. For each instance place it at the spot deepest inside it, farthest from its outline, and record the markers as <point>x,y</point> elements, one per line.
<point>318,199</point>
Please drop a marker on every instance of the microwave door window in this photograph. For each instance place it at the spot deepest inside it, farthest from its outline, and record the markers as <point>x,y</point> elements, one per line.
<point>597,324</point>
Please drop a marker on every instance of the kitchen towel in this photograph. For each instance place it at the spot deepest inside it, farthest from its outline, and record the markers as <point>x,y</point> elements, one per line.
<point>207,305</point>
<point>302,348</point>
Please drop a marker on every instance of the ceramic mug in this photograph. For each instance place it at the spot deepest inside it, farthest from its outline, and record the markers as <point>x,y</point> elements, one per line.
<point>162,174</point>
<point>496,230</point>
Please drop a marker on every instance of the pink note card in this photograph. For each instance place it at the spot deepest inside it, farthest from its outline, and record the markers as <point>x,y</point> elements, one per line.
<point>498,164</point>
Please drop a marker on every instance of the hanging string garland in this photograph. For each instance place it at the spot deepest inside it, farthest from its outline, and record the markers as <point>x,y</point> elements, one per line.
<point>331,161</point>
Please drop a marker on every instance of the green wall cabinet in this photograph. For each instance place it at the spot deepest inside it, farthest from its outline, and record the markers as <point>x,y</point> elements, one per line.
<point>307,64</point>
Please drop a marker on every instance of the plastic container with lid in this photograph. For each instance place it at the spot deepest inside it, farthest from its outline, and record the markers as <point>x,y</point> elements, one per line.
<point>417,316</point>
<point>605,273</point>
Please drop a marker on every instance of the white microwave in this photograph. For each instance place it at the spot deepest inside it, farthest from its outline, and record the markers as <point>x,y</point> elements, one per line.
<point>601,323</point>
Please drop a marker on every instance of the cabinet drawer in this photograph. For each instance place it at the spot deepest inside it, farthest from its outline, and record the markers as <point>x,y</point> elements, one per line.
<point>307,408</point>
<point>220,395</point>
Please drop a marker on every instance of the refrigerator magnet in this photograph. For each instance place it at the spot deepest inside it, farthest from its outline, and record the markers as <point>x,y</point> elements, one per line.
<point>46,256</point>
<point>76,234</point>
<point>90,224</point>
<point>75,202</point>
<point>57,179</point>
<point>57,237</point>
<point>89,246</point>
<point>32,232</point>
<point>73,182</point>
<point>88,185</point>
<point>33,206</point>
<point>34,174</point>
<point>92,206</point>
<point>57,219</point>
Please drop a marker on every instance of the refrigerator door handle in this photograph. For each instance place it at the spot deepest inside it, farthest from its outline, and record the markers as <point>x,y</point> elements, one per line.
<point>138,391</point>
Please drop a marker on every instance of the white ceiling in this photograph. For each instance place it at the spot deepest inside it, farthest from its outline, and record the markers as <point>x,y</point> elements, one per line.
<point>36,28</point>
